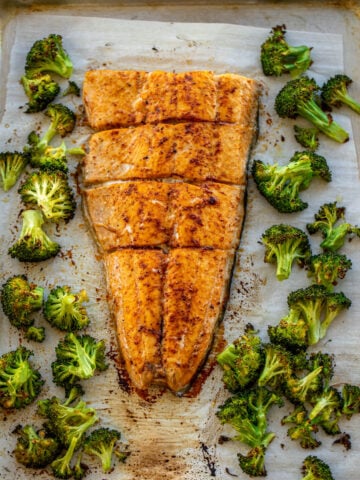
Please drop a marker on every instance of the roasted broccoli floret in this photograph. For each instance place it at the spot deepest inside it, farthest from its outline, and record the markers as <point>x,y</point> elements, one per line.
<point>20,382</point>
<point>51,193</point>
<point>72,89</point>
<point>291,332</point>
<point>48,55</point>
<point>334,93</point>
<point>101,443</point>
<point>327,410</point>
<point>77,358</point>
<point>299,97</point>
<point>35,449</point>
<point>69,423</point>
<point>278,57</point>
<point>300,390</point>
<point>37,334</point>
<point>315,469</point>
<point>307,137</point>
<point>242,360</point>
<point>277,367</point>
<point>333,233</point>
<point>12,164</point>
<point>281,184</point>
<point>350,400</point>
<point>42,154</point>
<point>33,244</point>
<point>64,309</point>
<point>247,413</point>
<point>20,299</point>
<point>284,245</point>
<point>303,431</point>
<point>41,90</point>
<point>326,268</point>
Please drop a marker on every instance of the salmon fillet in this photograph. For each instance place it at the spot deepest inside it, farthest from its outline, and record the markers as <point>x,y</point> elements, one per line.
<point>135,283</point>
<point>121,99</point>
<point>195,293</point>
<point>154,214</point>
<point>190,151</point>
<point>166,308</point>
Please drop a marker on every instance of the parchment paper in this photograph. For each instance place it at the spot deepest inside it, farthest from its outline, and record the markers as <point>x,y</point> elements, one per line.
<point>170,437</point>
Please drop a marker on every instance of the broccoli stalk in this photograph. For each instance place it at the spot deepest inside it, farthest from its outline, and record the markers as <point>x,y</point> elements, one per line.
<point>77,358</point>
<point>12,164</point>
<point>284,245</point>
<point>48,55</point>
<point>33,244</point>
<point>278,57</point>
<point>247,413</point>
<point>35,449</point>
<point>20,382</point>
<point>325,222</point>
<point>299,98</point>
<point>281,185</point>
<point>241,361</point>
<point>64,309</point>
<point>51,193</point>
<point>42,154</point>
<point>101,443</point>
<point>315,469</point>
<point>326,268</point>
<point>334,93</point>
<point>41,90</point>
<point>20,299</point>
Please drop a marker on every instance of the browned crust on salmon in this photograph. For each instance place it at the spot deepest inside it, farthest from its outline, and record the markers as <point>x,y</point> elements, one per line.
<point>135,284</point>
<point>190,151</point>
<point>195,293</point>
<point>153,214</point>
<point>124,98</point>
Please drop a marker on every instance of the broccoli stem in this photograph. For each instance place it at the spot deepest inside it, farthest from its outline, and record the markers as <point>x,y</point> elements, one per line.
<point>345,98</point>
<point>312,112</point>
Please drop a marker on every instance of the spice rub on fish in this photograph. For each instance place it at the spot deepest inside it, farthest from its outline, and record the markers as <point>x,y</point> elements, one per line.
<point>125,98</point>
<point>193,151</point>
<point>164,185</point>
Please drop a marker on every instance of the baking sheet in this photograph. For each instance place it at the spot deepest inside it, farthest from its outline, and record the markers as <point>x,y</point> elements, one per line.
<point>171,437</point>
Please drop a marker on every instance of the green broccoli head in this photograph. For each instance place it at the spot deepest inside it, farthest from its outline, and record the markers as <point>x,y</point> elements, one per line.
<point>33,244</point>
<point>35,449</point>
<point>242,360</point>
<point>12,164</point>
<point>20,299</point>
<point>281,185</point>
<point>41,90</point>
<point>300,390</point>
<point>77,358</point>
<point>303,431</point>
<point>36,334</point>
<point>253,463</point>
<point>334,93</point>
<point>101,443</point>
<point>64,309</point>
<point>51,193</point>
<point>307,137</point>
<point>277,368</point>
<point>299,97</point>
<point>284,245</point>
<point>315,469</point>
<point>278,57</point>
<point>72,89</point>
<point>350,400</point>
<point>327,410</point>
<point>62,467</point>
<point>20,382</point>
<point>48,55</point>
<point>318,308</point>
<point>326,222</point>
<point>326,268</point>
<point>290,333</point>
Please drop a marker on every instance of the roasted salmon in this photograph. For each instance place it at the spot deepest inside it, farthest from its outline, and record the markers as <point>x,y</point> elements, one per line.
<point>164,192</point>
<point>126,98</point>
<point>194,151</point>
